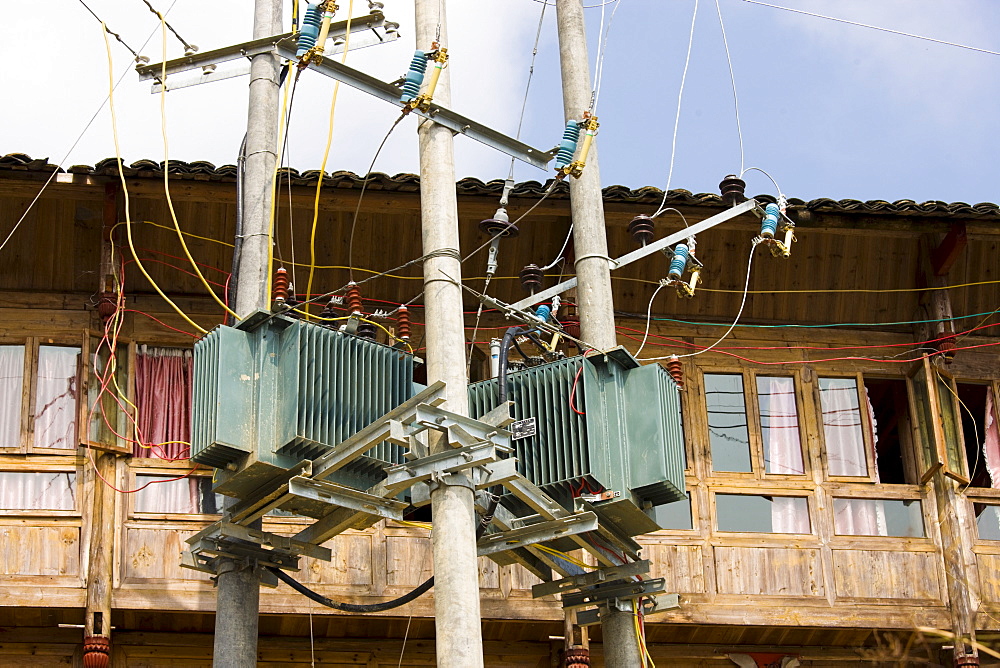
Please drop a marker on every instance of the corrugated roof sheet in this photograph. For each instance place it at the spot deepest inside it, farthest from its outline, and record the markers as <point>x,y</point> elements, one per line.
<point>205,171</point>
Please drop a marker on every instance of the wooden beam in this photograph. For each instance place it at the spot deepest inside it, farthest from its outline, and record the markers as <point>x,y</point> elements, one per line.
<point>949,250</point>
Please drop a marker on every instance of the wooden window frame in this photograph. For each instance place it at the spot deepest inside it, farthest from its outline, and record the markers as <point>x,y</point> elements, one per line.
<point>751,405</point>
<point>866,429</point>
<point>713,512</point>
<point>164,469</point>
<point>47,465</point>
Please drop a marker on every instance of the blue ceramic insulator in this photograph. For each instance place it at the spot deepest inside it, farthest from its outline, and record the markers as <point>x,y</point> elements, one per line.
<point>414,77</point>
<point>311,23</point>
<point>679,263</point>
<point>543,312</point>
<point>567,147</point>
<point>770,222</point>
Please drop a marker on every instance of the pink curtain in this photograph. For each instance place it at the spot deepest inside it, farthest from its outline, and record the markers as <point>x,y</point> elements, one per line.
<point>782,425</point>
<point>43,490</point>
<point>991,446</point>
<point>163,397</point>
<point>845,443</point>
<point>11,383</point>
<point>55,397</point>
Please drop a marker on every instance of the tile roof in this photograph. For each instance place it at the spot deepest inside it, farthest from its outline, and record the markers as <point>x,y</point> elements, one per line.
<point>205,171</point>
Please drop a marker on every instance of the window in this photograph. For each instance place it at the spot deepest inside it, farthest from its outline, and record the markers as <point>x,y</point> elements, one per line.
<point>768,442</point>
<point>39,392</point>
<point>38,490</point>
<point>878,517</point>
<point>762,514</point>
<point>676,515</point>
<point>779,425</point>
<point>163,398</point>
<point>980,434</point>
<point>728,435</point>
<point>842,427</point>
<point>895,462</point>
<point>164,494</point>
<point>987,521</point>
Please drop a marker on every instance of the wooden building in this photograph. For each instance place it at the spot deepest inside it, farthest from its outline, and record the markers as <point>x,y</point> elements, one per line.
<point>843,507</point>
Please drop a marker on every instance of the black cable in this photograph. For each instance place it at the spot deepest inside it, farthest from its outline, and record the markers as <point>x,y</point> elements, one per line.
<point>187,47</point>
<point>352,607</point>
<point>110,31</point>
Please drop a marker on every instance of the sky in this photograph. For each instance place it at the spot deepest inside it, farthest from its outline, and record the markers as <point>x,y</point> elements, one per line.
<point>827,109</point>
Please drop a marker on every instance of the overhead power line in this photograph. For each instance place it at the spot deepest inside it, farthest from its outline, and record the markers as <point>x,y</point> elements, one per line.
<point>867,25</point>
<point>109,30</point>
<point>188,48</point>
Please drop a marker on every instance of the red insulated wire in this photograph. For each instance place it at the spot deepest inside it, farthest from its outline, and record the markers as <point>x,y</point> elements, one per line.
<point>572,392</point>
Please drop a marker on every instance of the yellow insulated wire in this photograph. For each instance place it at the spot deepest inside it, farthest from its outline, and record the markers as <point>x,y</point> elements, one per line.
<point>370,322</point>
<point>166,174</point>
<point>326,156</point>
<point>121,175</point>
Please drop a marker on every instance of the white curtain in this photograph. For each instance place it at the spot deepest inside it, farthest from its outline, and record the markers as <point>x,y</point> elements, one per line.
<point>55,397</point>
<point>862,517</point>
<point>781,425</point>
<point>11,383</point>
<point>845,443</point>
<point>789,514</point>
<point>47,490</point>
<point>172,496</point>
<point>991,445</point>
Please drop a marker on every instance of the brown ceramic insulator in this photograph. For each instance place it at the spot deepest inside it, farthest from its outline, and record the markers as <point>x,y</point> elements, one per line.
<point>641,229</point>
<point>292,304</point>
<point>733,190</point>
<point>531,278</point>
<point>96,652</point>
<point>329,310</point>
<point>947,348</point>
<point>279,285</point>
<point>352,300</point>
<point>578,657</point>
<point>366,330</point>
<point>403,323</point>
<point>676,371</point>
<point>107,305</point>
<point>966,661</point>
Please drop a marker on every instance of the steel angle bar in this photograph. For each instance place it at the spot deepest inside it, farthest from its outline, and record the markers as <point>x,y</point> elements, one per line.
<point>281,543</point>
<point>435,417</point>
<point>602,594</point>
<point>452,461</point>
<point>221,547</point>
<point>346,497</point>
<point>530,557</point>
<point>537,533</point>
<point>435,112</point>
<point>249,49</point>
<point>649,249</point>
<point>357,445</point>
<point>591,579</point>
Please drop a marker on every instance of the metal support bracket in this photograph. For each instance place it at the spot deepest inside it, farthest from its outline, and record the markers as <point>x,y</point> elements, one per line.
<point>638,254</point>
<point>452,461</point>
<point>206,63</point>
<point>650,605</point>
<point>605,594</point>
<point>537,533</point>
<point>591,579</point>
<point>434,112</point>
<point>330,493</point>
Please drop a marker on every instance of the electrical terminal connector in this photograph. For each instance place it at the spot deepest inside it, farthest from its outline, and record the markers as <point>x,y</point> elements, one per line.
<point>776,221</point>
<point>683,261</point>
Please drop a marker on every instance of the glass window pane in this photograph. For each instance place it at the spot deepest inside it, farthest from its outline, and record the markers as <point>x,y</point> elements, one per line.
<point>55,397</point>
<point>878,517</point>
<point>185,495</point>
<point>42,490</point>
<point>728,435</point>
<point>845,442</point>
<point>676,515</point>
<point>762,514</point>
<point>11,384</point>
<point>988,522</point>
<point>779,425</point>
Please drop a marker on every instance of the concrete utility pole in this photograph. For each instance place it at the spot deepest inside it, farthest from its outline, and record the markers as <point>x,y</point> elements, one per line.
<point>594,298</point>
<point>237,608</point>
<point>456,573</point>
